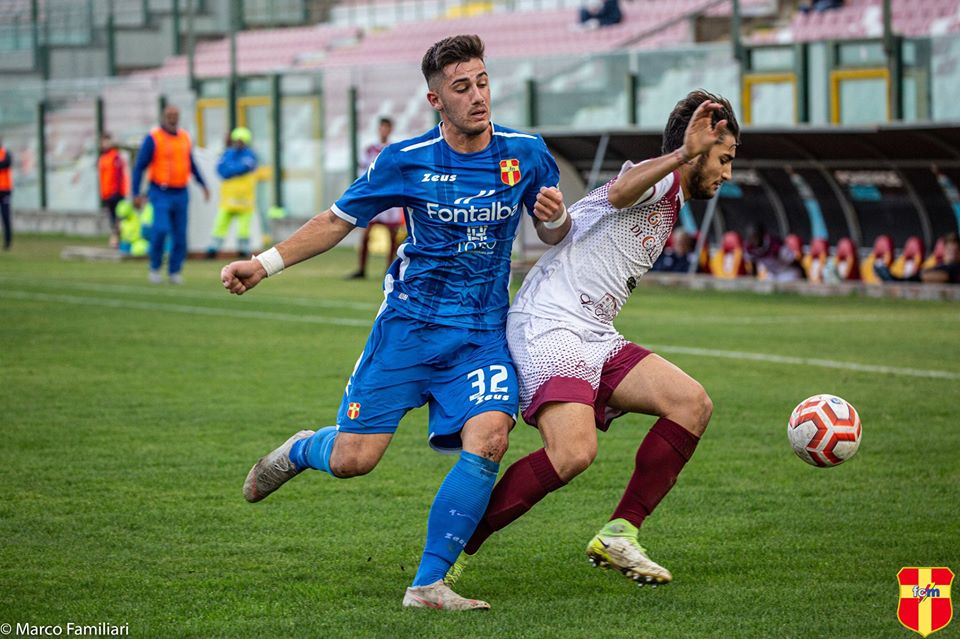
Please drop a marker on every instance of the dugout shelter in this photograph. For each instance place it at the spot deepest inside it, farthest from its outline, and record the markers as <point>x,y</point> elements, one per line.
<point>866,181</point>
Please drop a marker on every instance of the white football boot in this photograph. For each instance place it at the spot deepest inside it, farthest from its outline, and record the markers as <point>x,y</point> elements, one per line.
<point>272,470</point>
<point>439,596</point>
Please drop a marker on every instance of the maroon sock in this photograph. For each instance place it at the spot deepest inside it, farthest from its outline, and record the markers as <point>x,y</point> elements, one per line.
<point>526,482</point>
<point>660,458</point>
<point>364,248</point>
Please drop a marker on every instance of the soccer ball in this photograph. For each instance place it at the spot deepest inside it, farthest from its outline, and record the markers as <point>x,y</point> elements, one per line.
<point>824,430</point>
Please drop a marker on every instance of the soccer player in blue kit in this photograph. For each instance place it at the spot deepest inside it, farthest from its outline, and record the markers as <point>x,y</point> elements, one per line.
<point>439,337</point>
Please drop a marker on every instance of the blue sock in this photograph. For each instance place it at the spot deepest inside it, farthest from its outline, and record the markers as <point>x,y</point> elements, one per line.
<point>314,451</point>
<point>457,508</point>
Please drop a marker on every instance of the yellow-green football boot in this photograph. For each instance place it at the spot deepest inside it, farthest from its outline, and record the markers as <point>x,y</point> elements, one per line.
<point>616,546</point>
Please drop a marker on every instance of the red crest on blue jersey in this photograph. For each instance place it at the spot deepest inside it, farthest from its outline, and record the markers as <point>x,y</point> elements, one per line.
<point>510,171</point>
<point>353,410</point>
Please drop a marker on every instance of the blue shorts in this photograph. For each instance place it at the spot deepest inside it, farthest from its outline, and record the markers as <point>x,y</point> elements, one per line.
<point>407,363</point>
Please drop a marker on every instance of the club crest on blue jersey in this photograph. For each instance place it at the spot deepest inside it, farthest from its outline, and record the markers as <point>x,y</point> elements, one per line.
<point>353,410</point>
<point>510,171</point>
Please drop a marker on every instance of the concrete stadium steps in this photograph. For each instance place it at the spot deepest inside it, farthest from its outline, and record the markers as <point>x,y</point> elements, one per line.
<point>525,34</point>
<point>261,51</point>
<point>748,8</point>
<point>864,19</point>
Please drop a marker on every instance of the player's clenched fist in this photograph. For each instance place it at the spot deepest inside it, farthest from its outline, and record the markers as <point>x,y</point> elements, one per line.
<point>549,205</point>
<point>239,277</point>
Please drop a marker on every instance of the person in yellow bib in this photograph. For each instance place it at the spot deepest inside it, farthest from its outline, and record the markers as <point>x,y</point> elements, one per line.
<point>238,193</point>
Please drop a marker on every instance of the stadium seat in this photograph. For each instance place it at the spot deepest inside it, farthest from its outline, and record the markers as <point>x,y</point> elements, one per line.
<point>816,260</point>
<point>910,260</point>
<point>845,262</point>
<point>936,256</point>
<point>795,244</point>
<point>858,19</point>
<point>727,262</point>
<point>882,252</point>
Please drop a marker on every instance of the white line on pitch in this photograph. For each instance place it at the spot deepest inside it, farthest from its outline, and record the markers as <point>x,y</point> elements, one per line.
<point>336,321</point>
<point>179,292</point>
<point>182,308</point>
<point>810,318</point>
<point>807,361</point>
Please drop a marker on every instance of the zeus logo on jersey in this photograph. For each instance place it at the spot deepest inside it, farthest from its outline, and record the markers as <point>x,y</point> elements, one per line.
<point>495,212</point>
<point>435,177</point>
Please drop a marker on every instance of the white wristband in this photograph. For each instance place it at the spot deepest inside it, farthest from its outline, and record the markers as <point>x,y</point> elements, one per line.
<point>271,260</point>
<point>557,223</point>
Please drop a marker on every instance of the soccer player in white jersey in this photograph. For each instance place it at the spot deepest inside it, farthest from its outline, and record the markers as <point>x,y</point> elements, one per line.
<point>439,338</point>
<point>577,373</point>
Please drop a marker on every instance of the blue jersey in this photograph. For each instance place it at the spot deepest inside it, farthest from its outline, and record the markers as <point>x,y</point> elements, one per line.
<point>462,214</point>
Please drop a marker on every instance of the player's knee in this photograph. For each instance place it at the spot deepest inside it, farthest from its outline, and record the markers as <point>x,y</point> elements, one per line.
<point>702,408</point>
<point>346,466</point>
<point>494,444</point>
<point>488,440</point>
<point>578,461</point>
<point>570,461</point>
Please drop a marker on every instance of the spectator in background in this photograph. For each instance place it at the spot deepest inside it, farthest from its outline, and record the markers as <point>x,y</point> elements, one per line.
<point>238,192</point>
<point>167,152</point>
<point>946,272</point>
<point>676,257</point>
<point>766,252</point>
<point>391,219</point>
<point>113,183</point>
<point>600,13</point>
<point>820,5</point>
<point>6,190</point>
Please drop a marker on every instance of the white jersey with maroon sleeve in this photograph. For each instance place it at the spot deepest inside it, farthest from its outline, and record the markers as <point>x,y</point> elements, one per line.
<point>392,216</point>
<point>586,279</point>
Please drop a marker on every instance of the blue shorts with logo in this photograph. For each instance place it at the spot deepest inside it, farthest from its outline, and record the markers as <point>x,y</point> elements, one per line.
<point>406,363</point>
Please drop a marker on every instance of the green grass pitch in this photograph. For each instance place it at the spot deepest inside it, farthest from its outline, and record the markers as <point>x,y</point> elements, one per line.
<point>131,414</point>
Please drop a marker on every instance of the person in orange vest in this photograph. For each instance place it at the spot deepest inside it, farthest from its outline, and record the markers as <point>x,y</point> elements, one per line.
<point>6,189</point>
<point>167,153</point>
<point>113,182</point>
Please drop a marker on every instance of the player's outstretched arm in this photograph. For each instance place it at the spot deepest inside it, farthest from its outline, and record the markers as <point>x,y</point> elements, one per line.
<point>550,216</point>
<point>638,183</point>
<point>318,235</point>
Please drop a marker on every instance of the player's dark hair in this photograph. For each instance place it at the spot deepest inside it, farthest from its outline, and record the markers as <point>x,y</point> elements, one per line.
<point>385,120</point>
<point>458,48</point>
<point>681,114</point>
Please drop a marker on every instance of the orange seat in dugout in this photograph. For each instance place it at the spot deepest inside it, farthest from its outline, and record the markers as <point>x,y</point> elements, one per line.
<point>845,261</point>
<point>936,257</point>
<point>911,259</point>
<point>727,262</point>
<point>816,260</point>
<point>882,252</point>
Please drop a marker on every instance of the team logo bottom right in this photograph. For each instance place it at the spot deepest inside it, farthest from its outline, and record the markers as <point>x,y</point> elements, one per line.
<point>925,605</point>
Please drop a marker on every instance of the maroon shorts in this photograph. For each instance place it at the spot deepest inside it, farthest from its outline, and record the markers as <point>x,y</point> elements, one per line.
<point>580,391</point>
